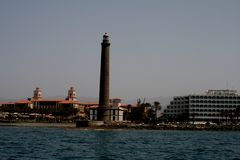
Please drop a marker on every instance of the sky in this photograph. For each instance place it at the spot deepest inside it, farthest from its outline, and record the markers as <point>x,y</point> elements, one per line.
<point>159,48</point>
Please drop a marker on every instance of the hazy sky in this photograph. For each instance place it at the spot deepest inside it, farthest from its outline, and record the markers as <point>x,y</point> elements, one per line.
<point>158,47</point>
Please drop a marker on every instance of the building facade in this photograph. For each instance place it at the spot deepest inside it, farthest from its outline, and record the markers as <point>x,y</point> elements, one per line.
<point>213,106</point>
<point>37,102</point>
<point>88,110</point>
<point>116,110</point>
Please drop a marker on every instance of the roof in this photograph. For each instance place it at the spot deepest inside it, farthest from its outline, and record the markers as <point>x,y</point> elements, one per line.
<point>69,102</point>
<point>116,99</point>
<point>93,107</point>
<point>47,100</point>
<point>96,106</point>
<point>89,103</point>
<point>23,101</point>
<point>6,103</point>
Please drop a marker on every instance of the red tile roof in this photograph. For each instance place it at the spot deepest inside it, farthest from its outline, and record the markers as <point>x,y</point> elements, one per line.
<point>48,100</point>
<point>89,103</point>
<point>69,102</point>
<point>23,101</point>
<point>93,107</point>
<point>7,103</point>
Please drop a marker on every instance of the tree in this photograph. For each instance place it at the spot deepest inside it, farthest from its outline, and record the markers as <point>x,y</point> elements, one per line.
<point>149,116</point>
<point>157,105</point>
<point>145,112</point>
<point>127,113</point>
<point>139,113</point>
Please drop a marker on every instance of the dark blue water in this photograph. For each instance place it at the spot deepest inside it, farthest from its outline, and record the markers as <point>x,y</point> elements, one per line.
<point>52,143</point>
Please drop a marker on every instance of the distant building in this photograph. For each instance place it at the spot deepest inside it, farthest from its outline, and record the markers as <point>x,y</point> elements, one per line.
<point>40,103</point>
<point>88,110</point>
<point>116,110</point>
<point>213,106</point>
<point>7,105</point>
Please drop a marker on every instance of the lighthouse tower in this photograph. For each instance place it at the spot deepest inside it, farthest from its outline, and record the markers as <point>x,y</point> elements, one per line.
<point>104,110</point>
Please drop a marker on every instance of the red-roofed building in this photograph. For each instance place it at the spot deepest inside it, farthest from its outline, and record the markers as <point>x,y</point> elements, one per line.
<point>38,104</point>
<point>6,105</point>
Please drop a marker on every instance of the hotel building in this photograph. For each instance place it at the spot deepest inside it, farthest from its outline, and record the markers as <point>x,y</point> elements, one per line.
<point>39,104</point>
<point>85,109</point>
<point>213,106</point>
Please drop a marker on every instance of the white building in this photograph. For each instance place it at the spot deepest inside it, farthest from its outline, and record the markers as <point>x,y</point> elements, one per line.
<point>72,95</point>
<point>214,106</point>
<point>116,111</point>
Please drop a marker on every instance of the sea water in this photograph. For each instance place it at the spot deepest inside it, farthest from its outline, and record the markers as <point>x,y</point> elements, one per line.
<point>17,143</point>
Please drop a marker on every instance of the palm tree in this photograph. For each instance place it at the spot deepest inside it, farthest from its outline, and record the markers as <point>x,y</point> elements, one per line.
<point>157,105</point>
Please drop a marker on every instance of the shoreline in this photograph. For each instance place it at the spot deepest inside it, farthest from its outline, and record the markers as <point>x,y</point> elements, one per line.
<point>38,124</point>
<point>120,127</point>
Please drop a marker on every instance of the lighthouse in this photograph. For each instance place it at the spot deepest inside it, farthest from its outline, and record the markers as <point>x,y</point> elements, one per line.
<point>103,109</point>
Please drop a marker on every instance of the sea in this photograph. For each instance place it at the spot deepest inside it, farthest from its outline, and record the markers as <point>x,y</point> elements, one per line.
<point>27,143</point>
